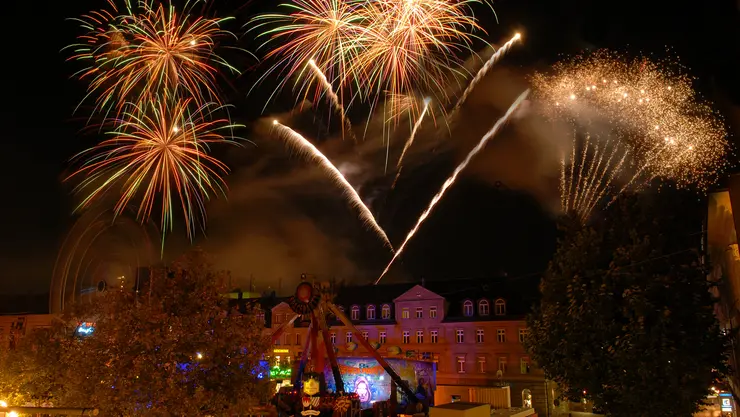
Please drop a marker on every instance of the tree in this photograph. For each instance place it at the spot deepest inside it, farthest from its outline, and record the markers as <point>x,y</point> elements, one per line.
<point>626,316</point>
<point>174,348</point>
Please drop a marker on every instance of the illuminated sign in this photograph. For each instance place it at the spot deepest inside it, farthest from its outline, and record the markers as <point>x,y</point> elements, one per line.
<point>85,329</point>
<point>277,372</point>
<point>726,402</point>
<point>281,351</point>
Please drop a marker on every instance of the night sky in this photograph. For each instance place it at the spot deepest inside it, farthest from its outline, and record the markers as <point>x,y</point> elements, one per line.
<point>282,218</point>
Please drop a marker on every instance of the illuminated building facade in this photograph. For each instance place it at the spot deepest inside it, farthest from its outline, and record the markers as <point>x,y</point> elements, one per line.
<point>723,222</point>
<point>472,329</point>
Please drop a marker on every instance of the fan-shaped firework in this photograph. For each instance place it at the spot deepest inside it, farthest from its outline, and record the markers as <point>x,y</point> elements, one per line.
<point>158,153</point>
<point>149,50</point>
<point>652,111</point>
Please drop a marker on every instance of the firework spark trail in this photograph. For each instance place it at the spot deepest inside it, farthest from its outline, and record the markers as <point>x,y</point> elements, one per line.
<point>606,186</point>
<point>413,132</point>
<point>305,146</point>
<point>597,175</point>
<point>484,70</point>
<point>577,186</point>
<point>451,180</point>
<point>346,125</point>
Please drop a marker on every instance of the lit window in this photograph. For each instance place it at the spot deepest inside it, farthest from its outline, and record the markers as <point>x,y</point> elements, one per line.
<point>468,308</point>
<point>419,312</point>
<point>523,335</point>
<point>479,336</point>
<point>298,339</point>
<point>370,312</point>
<point>348,337</point>
<point>385,313</point>
<point>460,335</point>
<point>483,308</point>
<point>365,335</point>
<point>420,336</point>
<point>405,313</point>
<point>333,337</point>
<point>261,316</point>
<point>461,364</point>
<point>433,336</point>
<point>524,365</point>
<point>432,312</point>
<point>500,307</point>
<point>355,313</point>
<point>501,335</point>
<point>502,365</point>
<point>381,337</point>
<point>406,337</point>
<point>482,364</point>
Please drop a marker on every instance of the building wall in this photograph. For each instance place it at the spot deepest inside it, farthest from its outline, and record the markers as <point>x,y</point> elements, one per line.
<point>14,326</point>
<point>724,261</point>
<point>482,359</point>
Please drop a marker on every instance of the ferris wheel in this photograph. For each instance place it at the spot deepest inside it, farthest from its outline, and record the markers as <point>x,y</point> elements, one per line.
<point>102,250</point>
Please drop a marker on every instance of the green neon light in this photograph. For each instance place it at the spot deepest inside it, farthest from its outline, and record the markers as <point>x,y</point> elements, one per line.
<point>276,372</point>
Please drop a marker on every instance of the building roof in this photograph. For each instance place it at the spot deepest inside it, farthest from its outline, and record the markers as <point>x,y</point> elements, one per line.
<point>370,294</point>
<point>16,304</point>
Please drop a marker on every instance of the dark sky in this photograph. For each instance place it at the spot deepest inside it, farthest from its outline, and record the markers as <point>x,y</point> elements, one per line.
<point>282,218</point>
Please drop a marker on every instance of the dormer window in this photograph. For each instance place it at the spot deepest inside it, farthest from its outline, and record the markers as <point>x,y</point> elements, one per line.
<point>370,312</point>
<point>355,313</point>
<point>468,308</point>
<point>484,308</point>
<point>500,307</point>
<point>385,312</point>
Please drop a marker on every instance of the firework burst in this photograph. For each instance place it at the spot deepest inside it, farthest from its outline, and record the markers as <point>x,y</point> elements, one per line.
<point>652,112</point>
<point>158,153</point>
<point>149,50</point>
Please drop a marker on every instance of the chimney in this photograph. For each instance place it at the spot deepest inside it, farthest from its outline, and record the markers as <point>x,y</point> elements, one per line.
<point>423,282</point>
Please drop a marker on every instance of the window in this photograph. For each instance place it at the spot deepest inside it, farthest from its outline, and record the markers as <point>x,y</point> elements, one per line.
<point>298,339</point>
<point>277,318</point>
<point>381,337</point>
<point>432,312</point>
<point>501,335</point>
<point>524,365</point>
<point>468,308</point>
<point>420,336</point>
<point>370,312</point>
<point>406,337</point>
<point>261,316</point>
<point>479,336</point>
<point>482,364</point>
<point>433,336</point>
<point>405,313</point>
<point>385,313</point>
<point>355,313</point>
<point>483,308</point>
<point>287,339</point>
<point>348,337</point>
<point>460,335</point>
<point>333,337</point>
<point>523,335</point>
<point>461,364</point>
<point>502,365</point>
<point>365,335</point>
<point>500,307</point>
<point>419,312</point>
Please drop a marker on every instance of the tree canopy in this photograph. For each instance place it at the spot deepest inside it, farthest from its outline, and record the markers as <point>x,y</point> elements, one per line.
<point>173,348</point>
<point>626,315</point>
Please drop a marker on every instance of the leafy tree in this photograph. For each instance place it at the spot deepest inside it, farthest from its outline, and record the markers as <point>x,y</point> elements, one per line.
<point>626,314</point>
<point>174,348</point>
